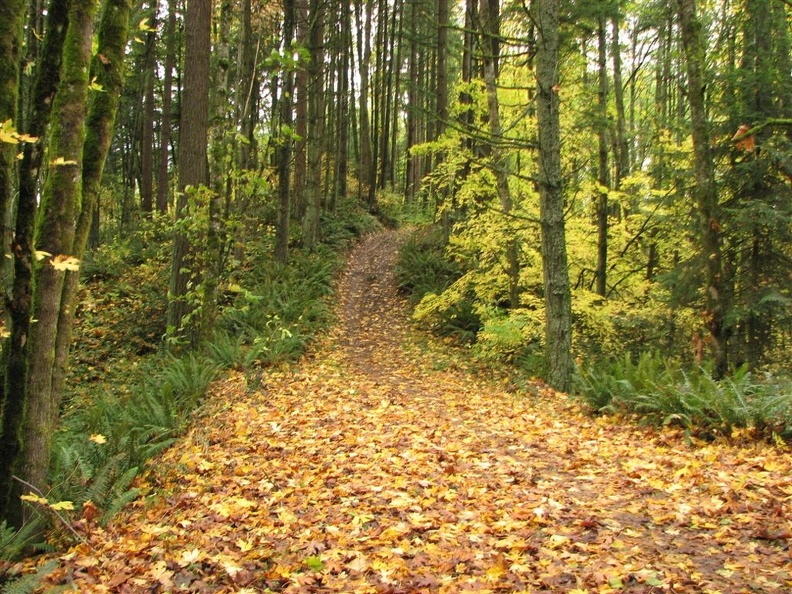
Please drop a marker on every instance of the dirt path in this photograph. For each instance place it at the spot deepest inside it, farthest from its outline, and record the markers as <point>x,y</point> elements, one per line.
<point>370,470</point>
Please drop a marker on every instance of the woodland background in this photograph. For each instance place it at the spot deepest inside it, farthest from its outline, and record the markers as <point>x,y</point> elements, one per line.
<point>603,193</point>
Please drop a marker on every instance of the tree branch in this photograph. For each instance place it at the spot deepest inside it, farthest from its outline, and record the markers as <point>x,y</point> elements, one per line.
<point>54,511</point>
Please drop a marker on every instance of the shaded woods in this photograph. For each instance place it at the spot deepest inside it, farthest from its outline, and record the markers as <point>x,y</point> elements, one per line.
<point>602,190</point>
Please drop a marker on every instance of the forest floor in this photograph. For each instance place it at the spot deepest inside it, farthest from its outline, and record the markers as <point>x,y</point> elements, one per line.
<point>375,465</point>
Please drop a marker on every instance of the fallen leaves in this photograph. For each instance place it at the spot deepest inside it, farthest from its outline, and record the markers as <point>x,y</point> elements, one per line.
<point>363,473</point>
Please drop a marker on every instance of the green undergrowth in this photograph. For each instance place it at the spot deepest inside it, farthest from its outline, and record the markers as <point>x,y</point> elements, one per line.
<point>129,399</point>
<point>449,300</point>
<point>660,391</point>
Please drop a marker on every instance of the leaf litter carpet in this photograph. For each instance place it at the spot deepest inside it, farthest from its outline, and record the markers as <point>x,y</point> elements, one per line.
<point>372,467</point>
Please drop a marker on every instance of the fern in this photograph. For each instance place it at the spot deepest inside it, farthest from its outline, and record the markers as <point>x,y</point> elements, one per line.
<point>13,543</point>
<point>120,495</point>
<point>29,583</point>
<point>189,376</point>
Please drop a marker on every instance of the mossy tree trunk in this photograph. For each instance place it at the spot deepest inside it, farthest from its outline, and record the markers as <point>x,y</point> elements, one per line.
<point>15,353</point>
<point>163,162</point>
<point>108,72</point>
<point>55,234</point>
<point>557,295</point>
<point>10,402</point>
<point>490,34</point>
<point>603,167</point>
<point>80,135</point>
<point>11,28</point>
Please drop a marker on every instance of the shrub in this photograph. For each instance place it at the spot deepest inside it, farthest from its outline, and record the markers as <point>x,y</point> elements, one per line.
<point>514,336</point>
<point>422,267</point>
<point>659,390</point>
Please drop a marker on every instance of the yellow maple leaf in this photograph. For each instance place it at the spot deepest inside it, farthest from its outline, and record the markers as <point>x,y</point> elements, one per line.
<point>359,563</point>
<point>62,262</point>
<point>244,545</point>
<point>162,574</point>
<point>231,568</point>
<point>32,498</point>
<point>98,438</point>
<point>190,557</point>
<point>287,517</point>
<point>493,574</point>
<point>62,506</point>
<point>60,162</point>
<point>7,135</point>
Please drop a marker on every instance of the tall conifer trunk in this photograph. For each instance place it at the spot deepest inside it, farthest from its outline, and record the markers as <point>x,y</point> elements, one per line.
<point>603,175</point>
<point>285,149</point>
<point>316,125</point>
<point>558,308</point>
<point>193,166</point>
<point>705,191</point>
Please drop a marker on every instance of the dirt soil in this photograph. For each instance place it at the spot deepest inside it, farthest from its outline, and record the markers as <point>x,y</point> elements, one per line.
<point>376,466</point>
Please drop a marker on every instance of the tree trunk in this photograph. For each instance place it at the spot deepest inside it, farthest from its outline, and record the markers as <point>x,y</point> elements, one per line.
<point>15,355</point>
<point>11,398</point>
<point>706,191</point>
<point>603,176</point>
<point>558,309</point>
<point>622,168</point>
<point>285,149</point>
<point>500,164</point>
<point>11,29</point>
<point>246,81</point>
<point>55,232</point>
<point>364,62</point>
<point>193,167</point>
<point>316,124</point>
<point>342,145</point>
<point>301,114</point>
<point>102,108</point>
<point>163,166</point>
<point>147,117</point>
<point>412,171</point>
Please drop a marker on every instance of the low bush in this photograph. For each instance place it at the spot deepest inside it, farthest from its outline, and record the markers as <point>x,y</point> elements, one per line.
<point>126,406</point>
<point>658,389</point>
<point>422,267</point>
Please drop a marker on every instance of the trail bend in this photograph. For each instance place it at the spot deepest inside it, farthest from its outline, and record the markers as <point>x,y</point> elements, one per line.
<point>374,466</point>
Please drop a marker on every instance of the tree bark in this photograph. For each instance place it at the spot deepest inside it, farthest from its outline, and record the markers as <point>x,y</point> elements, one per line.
<point>558,309</point>
<point>11,29</point>
<point>193,167</point>
<point>342,145</point>
<point>17,348</point>
<point>108,71</point>
<point>316,124</point>
<point>285,149</point>
<point>622,168</point>
<point>500,164</point>
<point>55,230</point>
<point>603,175</point>
<point>147,116</point>
<point>705,191</point>
<point>163,166</point>
<point>11,400</point>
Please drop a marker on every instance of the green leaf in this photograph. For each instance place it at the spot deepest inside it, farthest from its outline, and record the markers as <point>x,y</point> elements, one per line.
<point>314,563</point>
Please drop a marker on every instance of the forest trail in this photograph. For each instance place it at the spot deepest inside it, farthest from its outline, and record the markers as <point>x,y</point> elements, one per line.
<point>372,467</point>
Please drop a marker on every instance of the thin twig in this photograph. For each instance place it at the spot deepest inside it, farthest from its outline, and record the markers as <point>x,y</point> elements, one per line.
<point>63,520</point>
